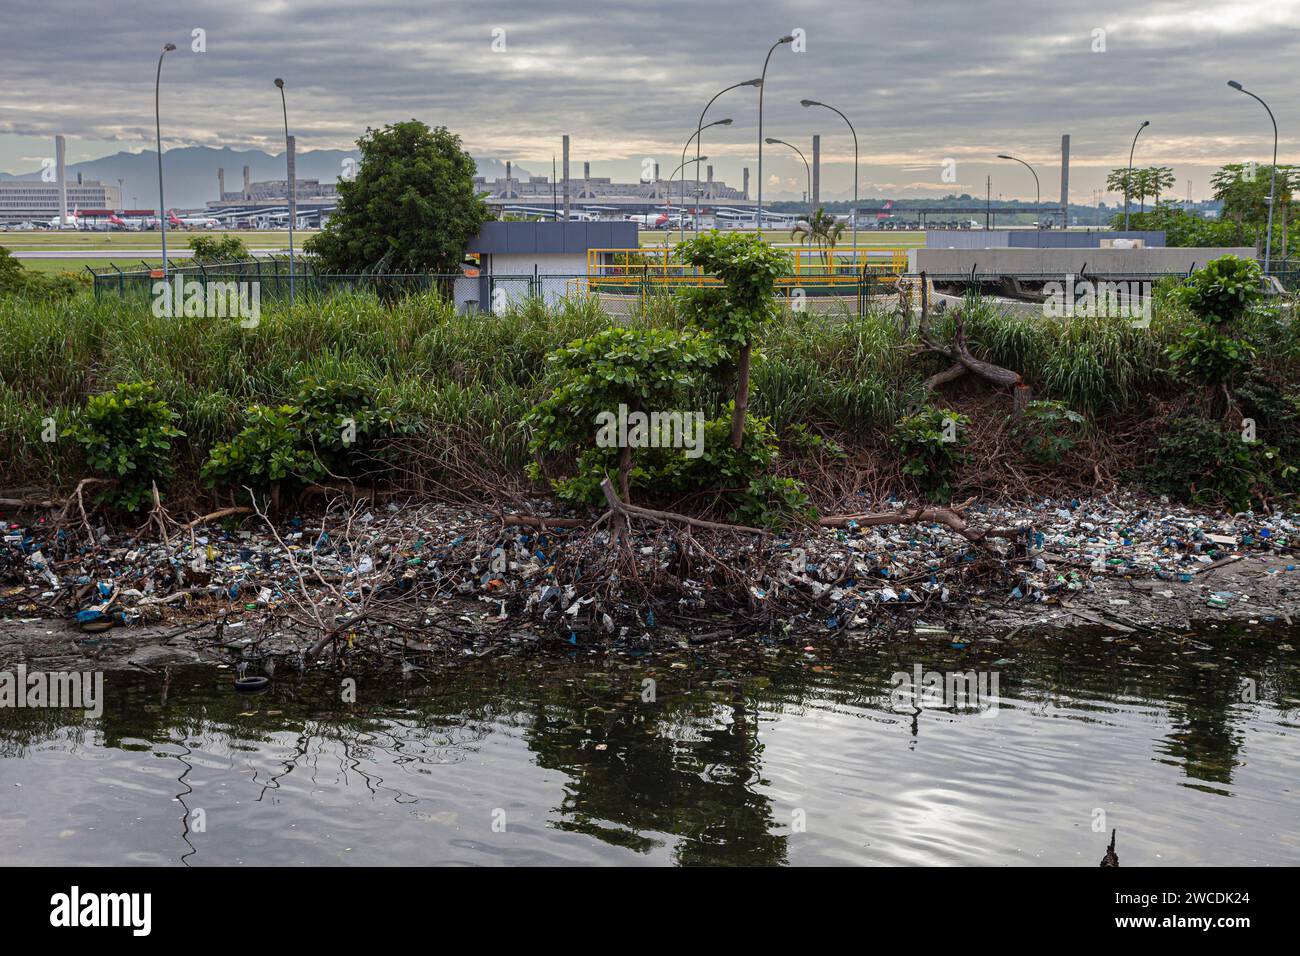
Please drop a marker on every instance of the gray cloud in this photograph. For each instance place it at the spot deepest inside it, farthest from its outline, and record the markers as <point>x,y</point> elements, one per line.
<point>923,80</point>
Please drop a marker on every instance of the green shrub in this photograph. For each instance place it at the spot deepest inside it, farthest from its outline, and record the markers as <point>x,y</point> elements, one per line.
<point>1205,356</point>
<point>272,448</point>
<point>126,434</point>
<point>1203,462</point>
<point>931,443</point>
<point>218,249</point>
<point>1048,431</point>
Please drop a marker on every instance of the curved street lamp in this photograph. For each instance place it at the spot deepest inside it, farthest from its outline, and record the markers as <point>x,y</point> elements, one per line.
<point>854,215</point>
<point>682,165</point>
<point>699,127</point>
<point>1128,180</point>
<point>695,136</point>
<point>1038,192</point>
<point>288,181</point>
<point>1272,179</point>
<point>157,121</point>
<point>762,85</point>
<point>806,168</point>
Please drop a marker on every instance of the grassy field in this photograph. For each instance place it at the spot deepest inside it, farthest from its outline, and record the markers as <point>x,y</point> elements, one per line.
<point>75,240</point>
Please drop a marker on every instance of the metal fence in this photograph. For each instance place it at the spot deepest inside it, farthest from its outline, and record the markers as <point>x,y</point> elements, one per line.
<point>620,293</point>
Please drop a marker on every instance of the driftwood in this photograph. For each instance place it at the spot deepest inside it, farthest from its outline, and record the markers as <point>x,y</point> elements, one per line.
<point>950,517</point>
<point>959,355</point>
<point>621,509</point>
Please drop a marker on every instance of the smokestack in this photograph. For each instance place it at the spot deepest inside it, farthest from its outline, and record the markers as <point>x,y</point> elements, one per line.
<point>60,156</point>
<point>586,180</point>
<point>816,171</point>
<point>745,190</point>
<point>1065,181</point>
<point>509,193</point>
<point>293,182</point>
<point>566,178</point>
<point>709,189</point>
<point>248,189</point>
<point>221,184</point>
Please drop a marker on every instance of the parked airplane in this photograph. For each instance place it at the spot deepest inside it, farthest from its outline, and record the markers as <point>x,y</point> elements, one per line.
<point>202,222</point>
<point>654,220</point>
<point>72,223</point>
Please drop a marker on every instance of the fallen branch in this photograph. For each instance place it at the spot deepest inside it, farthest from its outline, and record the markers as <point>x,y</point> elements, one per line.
<point>622,509</point>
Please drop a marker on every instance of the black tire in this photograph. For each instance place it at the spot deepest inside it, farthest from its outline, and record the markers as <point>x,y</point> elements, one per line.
<point>248,685</point>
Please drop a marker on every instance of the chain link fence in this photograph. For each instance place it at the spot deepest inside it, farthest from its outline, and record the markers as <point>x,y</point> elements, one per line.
<point>493,294</point>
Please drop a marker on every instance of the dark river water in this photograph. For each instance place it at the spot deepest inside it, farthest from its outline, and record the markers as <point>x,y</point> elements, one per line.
<point>1189,748</point>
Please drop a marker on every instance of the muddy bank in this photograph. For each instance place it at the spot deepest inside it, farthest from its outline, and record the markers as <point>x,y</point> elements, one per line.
<point>430,585</point>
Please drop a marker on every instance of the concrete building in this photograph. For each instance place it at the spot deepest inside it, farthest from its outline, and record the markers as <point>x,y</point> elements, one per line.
<point>522,259</point>
<point>31,199</point>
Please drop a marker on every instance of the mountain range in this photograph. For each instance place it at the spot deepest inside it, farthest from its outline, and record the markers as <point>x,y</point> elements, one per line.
<point>190,172</point>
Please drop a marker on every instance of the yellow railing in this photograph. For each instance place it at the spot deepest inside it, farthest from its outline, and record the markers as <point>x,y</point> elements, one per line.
<point>661,267</point>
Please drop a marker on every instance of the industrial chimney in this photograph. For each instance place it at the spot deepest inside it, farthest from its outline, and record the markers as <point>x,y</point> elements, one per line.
<point>60,157</point>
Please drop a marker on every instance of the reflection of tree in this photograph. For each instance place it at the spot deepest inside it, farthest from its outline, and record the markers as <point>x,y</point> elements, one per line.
<point>686,764</point>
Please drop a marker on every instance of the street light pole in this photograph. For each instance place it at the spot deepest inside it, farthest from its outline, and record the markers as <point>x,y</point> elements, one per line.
<point>806,168</point>
<point>157,121</point>
<point>289,184</point>
<point>1272,179</point>
<point>762,86</point>
<point>694,159</point>
<point>854,214</point>
<point>695,136</point>
<point>1128,180</point>
<point>1038,192</point>
<point>695,220</point>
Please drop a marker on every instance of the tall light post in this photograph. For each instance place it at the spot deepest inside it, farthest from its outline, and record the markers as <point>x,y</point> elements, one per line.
<point>694,159</point>
<point>854,215</point>
<point>1272,179</point>
<point>1038,192</point>
<point>806,168</point>
<point>288,179</point>
<point>695,136</point>
<point>157,123</point>
<point>699,127</point>
<point>762,86</point>
<point>1128,180</point>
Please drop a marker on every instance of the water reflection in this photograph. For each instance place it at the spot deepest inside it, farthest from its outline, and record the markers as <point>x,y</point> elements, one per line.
<point>753,757</point>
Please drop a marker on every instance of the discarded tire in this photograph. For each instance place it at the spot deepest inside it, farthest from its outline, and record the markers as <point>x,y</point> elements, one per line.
<point>250,684</point>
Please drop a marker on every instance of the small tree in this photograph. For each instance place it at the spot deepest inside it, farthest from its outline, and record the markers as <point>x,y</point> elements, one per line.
<point>733,314</point>
<point>411,208</point>
<point>643,370</point>
<point>218,249</point>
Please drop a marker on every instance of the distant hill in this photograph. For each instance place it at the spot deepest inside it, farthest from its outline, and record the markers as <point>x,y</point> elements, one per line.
<point>190,172</point>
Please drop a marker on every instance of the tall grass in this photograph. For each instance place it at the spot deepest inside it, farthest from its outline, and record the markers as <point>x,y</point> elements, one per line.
<point>482,373</point>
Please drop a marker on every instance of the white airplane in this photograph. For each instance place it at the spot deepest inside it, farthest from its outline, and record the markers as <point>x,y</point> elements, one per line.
<point>202,222</point>
<point>651,220</point>
<point>72,223</point>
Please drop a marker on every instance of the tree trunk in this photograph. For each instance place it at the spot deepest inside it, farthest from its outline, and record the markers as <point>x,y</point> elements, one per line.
<point>742,397</point>
<point>624,471</point>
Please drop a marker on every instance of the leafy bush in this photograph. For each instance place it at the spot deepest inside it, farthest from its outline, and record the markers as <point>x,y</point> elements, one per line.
<point>334,429</point>
<point>1222,291</point>
<point>1205,356</point>
<point>1204,462</point>
<point>126,434</point>
<point>218,249</point>
<point>931,441</point>
<point>1048,431</point>
<point>642,370</point>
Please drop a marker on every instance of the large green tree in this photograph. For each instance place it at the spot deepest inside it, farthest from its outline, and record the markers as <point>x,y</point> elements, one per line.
<point>412,207</point>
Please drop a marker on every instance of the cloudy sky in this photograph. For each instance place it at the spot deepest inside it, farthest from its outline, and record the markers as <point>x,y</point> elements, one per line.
<point>924,81</point>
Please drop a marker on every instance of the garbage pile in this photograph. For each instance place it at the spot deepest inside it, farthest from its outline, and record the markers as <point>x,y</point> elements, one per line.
<point>457,573</point>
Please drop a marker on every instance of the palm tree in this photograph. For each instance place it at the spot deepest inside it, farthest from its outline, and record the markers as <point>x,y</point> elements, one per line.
<point>824,231</point>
